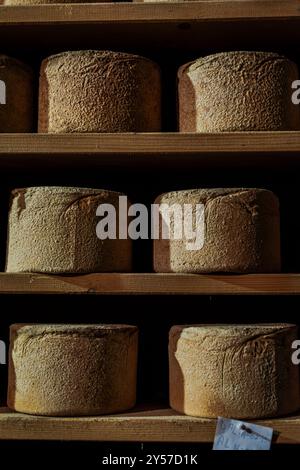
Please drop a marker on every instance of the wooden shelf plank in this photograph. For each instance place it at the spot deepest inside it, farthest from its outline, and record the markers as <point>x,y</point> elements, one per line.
<point>144,425</point>
<point>238,149</point>
<point>150,143</point>
<point>151,284</point>
<point>217,23</point>
<point>150,12</point>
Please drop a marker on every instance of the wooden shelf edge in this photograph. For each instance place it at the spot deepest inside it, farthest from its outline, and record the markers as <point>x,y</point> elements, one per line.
<point>151,284</point>
<point>149,12</point>
<point>150,143</point>
<point>139,425</point>
<point>259,150</point>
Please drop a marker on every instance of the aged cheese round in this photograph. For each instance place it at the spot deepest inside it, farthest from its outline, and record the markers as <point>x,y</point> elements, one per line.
<point>69,370</point>
<point>53,230</point>
<point>238,91</point>
<point>238,231</point>
<point>99,91</point>
<point>234,371</point>
<point>16,96</point>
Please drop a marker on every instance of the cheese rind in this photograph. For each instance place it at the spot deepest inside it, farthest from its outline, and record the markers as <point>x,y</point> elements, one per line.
<point>99,91</point>
<point>238,91</point>
<point>53,230</point>
<point>16,96</point>
<point>240,232</point>
<point>234,371</point>
<point>69,370</point>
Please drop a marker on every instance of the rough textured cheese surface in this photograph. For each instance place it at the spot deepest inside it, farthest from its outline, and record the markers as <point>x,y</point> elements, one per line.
<point>99,91</point>
<point>238,91</point>
<point>69,370</point>
<point>16,87</point>
<point>53,230</point>
<point>241,233</point>
<point>235,371</point>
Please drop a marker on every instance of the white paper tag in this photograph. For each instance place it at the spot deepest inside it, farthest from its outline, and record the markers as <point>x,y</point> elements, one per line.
<point>238,435</point>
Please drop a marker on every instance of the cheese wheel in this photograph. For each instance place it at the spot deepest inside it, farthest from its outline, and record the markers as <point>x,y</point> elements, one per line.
<point>235,371</point>
<point>69,370</point>
<point>53,230</point>
<point>238,91</point>
<point>239,232</point>
<point>99,91</point>
<point>16,96</point>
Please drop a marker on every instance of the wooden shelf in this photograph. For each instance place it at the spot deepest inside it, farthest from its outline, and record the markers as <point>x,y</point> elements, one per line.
<point>199,23</point>
<point>153,150</point>
<point>151,284</point>
<point>203,10</point>
<point>144,425</point>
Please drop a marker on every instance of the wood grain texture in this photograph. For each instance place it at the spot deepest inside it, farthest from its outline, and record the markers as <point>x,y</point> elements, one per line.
<point>238,150</point>
<point>140,425</point>
<point>150,143</point>
<point>150,12</point>
<point>151,284</point>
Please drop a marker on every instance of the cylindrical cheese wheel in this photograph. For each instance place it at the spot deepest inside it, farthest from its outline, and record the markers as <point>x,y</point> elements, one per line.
<point>235,371</point>
<point>53,230</point>
<point>99,91</point>
<point>69,370</point>
<point>16,96</point>
<point>238,91</point>
<point>240,232</point>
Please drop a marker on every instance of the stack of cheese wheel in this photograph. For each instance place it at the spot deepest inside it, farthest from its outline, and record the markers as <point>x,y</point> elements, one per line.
<point>99,91</point>
<point>238,91</point>
<point>233,230</point>
<point>235,371</point>
<point>69,370</point>
<point>16,96</point>
<point>53,230</point>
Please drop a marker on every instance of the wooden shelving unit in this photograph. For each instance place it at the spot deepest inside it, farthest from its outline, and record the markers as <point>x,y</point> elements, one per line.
<point>196,26</point>
<point>143,424</point>
<point>151,284</point>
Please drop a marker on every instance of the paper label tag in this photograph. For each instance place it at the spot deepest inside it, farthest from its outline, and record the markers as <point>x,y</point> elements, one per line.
<point>232,434</point>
